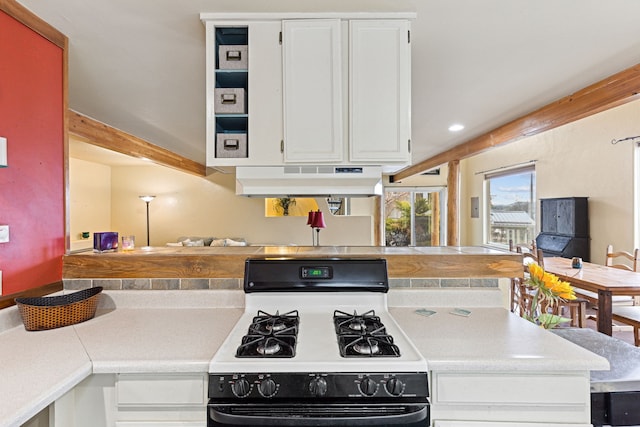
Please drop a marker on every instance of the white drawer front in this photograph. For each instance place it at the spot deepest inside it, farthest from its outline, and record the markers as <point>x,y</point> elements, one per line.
<point>509,389</point>
<point>161,390</point>
<point>160,424</point>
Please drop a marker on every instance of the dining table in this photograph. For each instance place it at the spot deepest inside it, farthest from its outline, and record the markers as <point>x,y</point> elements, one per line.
<point>600,279</point>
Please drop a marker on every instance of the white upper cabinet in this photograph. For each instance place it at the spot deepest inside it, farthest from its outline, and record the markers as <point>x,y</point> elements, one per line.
<point>313,130</point>
<point>308,88</point>
<point>379,91</point>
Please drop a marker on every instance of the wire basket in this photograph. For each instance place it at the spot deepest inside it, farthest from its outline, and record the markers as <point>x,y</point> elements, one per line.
<point>41,313</point>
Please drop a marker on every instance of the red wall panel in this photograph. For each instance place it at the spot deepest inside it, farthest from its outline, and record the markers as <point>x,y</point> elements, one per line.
<point>32,187</point>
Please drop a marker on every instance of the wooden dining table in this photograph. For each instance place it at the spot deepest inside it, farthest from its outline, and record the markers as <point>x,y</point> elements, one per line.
<point>605,281</point>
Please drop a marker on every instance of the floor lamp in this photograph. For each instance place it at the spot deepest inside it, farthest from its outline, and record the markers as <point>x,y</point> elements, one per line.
<point>147,199</point>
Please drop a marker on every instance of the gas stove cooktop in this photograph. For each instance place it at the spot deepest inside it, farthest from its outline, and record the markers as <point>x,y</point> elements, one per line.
<point>320,315</point>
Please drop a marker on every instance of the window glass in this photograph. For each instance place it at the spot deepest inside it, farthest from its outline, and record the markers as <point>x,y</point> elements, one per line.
<point>412,218</point>
<point>636,201</point>
<point>511,207</point>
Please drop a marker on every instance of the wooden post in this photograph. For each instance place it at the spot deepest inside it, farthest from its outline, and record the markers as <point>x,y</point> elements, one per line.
<point>453,204</point>
<point>435,218</point>
<point>378,221</point>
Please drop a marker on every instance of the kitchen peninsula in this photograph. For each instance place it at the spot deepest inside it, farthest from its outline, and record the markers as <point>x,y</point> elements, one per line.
<point>491,366</point>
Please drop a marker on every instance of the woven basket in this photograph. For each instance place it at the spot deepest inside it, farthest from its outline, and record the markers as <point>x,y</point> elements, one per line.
<point>40,313</point>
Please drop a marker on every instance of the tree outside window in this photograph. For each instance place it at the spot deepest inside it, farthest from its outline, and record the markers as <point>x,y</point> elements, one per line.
<point>412,218</point>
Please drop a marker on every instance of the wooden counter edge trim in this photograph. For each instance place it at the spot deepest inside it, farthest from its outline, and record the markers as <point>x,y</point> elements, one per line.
<point>9,300</point>
<point>80,266</point>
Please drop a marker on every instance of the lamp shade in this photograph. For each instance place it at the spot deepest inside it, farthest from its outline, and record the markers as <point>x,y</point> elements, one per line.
<point>310,218</point>
<point>147,199</point>
<point>318,220</point>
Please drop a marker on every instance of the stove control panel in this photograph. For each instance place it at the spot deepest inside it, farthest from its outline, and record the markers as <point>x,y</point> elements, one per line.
<point>318,385</point>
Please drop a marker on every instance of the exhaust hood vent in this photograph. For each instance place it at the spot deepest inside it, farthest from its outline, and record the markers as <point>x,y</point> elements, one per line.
<point>309,180</point>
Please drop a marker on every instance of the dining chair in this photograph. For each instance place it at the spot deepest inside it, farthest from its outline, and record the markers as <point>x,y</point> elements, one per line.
<point>623,259</point>
<point>575,309</point>
<point>518,299</point>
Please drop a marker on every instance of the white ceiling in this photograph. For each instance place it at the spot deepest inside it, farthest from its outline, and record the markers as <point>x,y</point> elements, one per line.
<point>139,65</point>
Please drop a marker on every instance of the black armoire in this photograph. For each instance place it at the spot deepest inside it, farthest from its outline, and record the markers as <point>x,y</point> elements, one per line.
<point>564,227</point>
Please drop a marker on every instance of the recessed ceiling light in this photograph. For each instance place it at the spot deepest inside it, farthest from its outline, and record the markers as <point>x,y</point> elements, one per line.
<point>456,127</point>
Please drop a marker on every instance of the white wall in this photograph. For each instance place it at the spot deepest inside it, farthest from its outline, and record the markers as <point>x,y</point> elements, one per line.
<point>187,205</point>
<point>574,160</point>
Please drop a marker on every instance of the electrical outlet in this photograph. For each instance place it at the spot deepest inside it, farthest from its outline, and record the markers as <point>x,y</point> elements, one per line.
<point>4,233</point>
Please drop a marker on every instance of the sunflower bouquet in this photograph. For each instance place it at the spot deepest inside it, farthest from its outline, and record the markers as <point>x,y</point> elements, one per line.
<point>545,291</point>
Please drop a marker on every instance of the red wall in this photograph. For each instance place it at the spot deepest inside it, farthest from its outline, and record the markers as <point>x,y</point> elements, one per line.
<point>32,187</point>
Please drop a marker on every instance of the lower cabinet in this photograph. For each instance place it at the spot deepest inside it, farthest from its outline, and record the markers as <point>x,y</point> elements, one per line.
<point>134,400</point>
<point>510,399</point>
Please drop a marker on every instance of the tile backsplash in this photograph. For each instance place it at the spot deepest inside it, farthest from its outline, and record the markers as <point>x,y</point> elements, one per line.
<point>236,284</point>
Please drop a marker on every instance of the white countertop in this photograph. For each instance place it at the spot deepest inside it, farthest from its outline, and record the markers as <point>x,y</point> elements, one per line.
<point>180,331</point>
<point>146,331</point>
<point>490,339</point>
<point>37,368</point>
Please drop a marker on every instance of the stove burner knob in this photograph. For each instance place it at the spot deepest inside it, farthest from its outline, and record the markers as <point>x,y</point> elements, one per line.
<point>268,387</point>
<point>318,386</point>
<point>368,387</point>
<point>241,388</point>
<point>395,387</point>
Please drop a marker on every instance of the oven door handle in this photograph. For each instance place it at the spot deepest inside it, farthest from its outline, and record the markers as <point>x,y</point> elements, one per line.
<point>405,419</point>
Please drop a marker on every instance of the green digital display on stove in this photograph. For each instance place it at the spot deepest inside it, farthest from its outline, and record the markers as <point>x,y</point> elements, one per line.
<point>316,273</point>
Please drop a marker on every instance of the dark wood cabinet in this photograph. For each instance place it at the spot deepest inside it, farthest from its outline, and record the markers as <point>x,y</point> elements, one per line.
<point>568,216</point>
<point>564,227</point>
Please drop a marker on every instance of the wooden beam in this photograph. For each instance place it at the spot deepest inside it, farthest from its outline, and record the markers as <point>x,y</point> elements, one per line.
<point>453,204</point>
<point>105,136</point>
<point>27,18</point>
<point>614,90</point>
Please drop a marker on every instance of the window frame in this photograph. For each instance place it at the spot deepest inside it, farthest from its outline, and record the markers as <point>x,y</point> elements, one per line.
<point>442,190</point>
<point>636,195</point>
<point>486,200</point>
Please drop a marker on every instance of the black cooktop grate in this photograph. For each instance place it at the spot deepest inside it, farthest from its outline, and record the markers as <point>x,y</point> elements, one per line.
<point>271,336</point>
<point>363,335</point>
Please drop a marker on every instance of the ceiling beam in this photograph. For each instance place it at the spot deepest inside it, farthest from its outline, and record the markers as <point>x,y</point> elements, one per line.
<point>614,90</point>
<point>105,136</point>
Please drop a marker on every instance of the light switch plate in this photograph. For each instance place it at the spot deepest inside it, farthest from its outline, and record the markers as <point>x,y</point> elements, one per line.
<point>4,233</point>
<point>3,152</point>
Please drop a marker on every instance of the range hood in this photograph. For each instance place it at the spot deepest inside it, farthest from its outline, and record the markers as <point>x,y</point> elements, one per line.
<point>308,180</point>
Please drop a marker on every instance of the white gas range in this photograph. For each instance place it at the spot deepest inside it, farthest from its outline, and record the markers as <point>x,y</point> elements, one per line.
<point>316,346</point>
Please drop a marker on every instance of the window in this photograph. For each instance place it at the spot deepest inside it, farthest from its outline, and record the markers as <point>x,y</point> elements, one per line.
<point>511,205</point>
<point>636,201</point>
<point>414,217</point>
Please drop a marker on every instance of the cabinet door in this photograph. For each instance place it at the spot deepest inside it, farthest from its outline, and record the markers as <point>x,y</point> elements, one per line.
<point>549,208</point>
<point>379,91</point>
<point>265,94</point>
<point>312,91</point>
<point>566,215</point>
